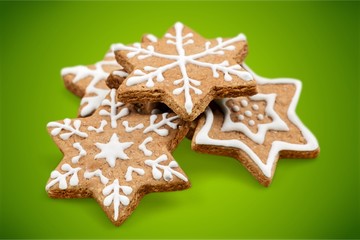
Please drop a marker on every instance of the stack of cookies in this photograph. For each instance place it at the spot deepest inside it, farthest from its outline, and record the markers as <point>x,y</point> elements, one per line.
<point>142,99</point>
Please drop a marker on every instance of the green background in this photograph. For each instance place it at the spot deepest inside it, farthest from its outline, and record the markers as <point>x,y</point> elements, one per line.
<point>315,42</point>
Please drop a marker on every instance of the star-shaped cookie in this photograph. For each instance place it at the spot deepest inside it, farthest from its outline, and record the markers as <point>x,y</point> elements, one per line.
<point>184,70</point>
<point>257,130</point>
<point>116,156</point>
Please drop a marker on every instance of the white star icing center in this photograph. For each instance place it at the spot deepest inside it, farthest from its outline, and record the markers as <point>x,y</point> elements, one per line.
<point>112,150</point>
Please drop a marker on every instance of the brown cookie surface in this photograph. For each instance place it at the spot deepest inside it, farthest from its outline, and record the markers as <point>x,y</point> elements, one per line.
<point>116,156</point>
<point>184,71</point>
<point>257,130</point>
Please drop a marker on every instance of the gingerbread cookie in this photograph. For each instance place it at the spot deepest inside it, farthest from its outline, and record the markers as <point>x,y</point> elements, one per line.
<point>257,130</point>
<point>88,82</point>
<point>184,71</point>
<point>116,156</point>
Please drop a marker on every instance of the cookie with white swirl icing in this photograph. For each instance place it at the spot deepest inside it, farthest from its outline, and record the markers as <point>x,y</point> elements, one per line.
<point>257,130</point>
<point>184,70</point>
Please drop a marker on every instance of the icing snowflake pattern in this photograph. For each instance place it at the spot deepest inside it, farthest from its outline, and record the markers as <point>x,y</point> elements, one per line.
<point>62,178</point>
<point>96,173</point>
<point>81,150</point>
<point>67,127</point>
<point>130,170</point>
<point>185,85</point>
<point>112,193</point>
<point>114,112</point>
<point>165,121</point>
<point>168,170</point>
<point>106,158</point>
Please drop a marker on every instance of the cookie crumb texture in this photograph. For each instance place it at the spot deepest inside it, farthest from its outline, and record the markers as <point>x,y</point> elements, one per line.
<point>184,71</point>
<point>116,156</point>
<point>257,130</point>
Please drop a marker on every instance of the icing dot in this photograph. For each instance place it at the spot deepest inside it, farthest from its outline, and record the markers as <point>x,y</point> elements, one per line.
<point>260,117</point>
<point>235,108</point>
<point>244,103</point>
<point>248,113</point>
<point>241,117</point>
<point>255,107</point>
<point>251,122</point>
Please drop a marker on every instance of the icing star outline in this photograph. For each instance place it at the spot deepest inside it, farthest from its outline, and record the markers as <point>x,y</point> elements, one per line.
<point>296,142</point>
<point>276,124</point>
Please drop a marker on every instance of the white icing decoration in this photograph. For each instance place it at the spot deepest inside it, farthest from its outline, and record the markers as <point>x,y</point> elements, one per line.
<point>276,124</point>
<point>82,152</point>
<point>311,143</point>
<point>235,108</point>
<point>61,178</point>
<point>130,129</point>
<point>112,150</point>
<point>151,38</point>
<point>110,54</point>
<point>94,95</point>
<point>260,117</point>
<point>75,129</point>
<point>181,60</point>
<point>120,73</point>
<point>241,117</point>
<point>112,193</point>
<point>100,129</point>
<point>97,173</point>
<point>114,105</point>
<point>244,103</point>
<point>143,148</point>
<point>168,171</point>
<point>251,122</point>
<point>248,113</point>
<point>255,107</point>
<point>130,170</point>
<point>165,121</point>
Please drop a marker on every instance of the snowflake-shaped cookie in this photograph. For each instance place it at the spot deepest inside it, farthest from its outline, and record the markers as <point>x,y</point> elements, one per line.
<point>184,70</point>
<point>258,130</point>
<point>117,156</point>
